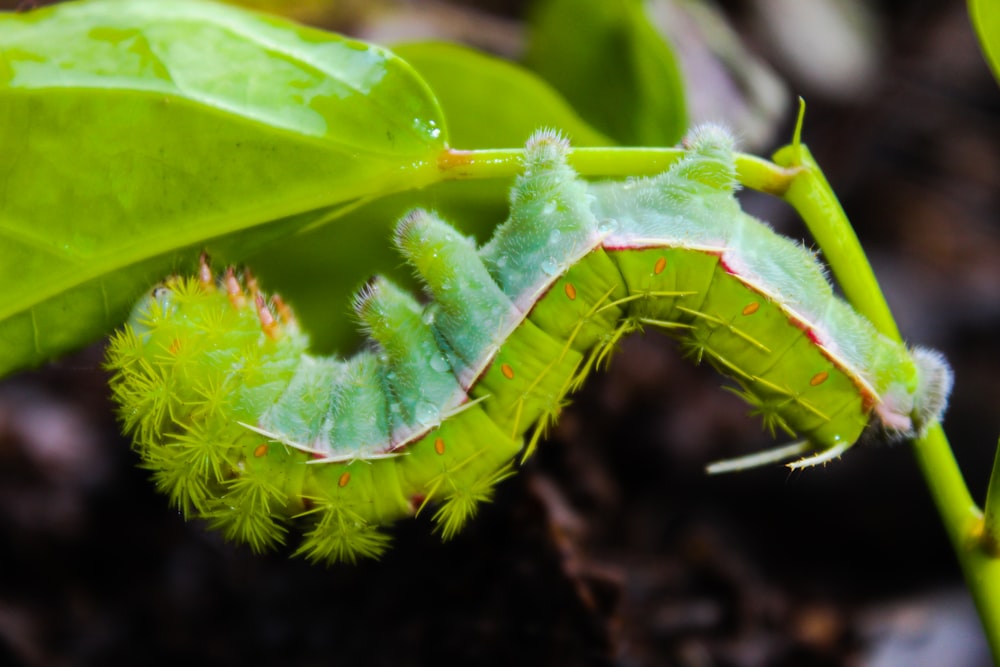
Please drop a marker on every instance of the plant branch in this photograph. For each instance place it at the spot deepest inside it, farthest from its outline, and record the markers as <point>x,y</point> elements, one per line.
<point>813,198</point>
<point>991,518</point>
<point>752,171</point>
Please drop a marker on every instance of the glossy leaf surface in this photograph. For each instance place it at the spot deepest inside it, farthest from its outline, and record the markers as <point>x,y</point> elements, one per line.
<point>135,133</point>
<point>609,61</point>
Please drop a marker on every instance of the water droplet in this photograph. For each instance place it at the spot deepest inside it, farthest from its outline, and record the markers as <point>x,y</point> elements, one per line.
<point>501,261</point>
<point>429,126</point>
<point>554,237</point>
<point>607,225</point>
<point>427,317</point>
<point>390,376</point>
<point>440,364</point>
<point>549,208</point>
<point>550,266</point>
<point>426,412</point>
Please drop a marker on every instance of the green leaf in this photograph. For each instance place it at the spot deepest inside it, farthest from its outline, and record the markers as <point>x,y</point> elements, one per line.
<point>134,133</point>
<point>487,102</point>
<point>985,16</point>
<point>612,65</point>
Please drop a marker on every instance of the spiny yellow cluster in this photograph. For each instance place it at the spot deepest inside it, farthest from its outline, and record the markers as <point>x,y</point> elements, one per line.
<point>190,357</point>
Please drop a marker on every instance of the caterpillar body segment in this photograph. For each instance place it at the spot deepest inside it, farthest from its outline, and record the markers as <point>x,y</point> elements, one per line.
<point>242,426</point>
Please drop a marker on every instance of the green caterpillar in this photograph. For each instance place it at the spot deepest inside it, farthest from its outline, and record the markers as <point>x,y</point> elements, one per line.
<point>241,426</point>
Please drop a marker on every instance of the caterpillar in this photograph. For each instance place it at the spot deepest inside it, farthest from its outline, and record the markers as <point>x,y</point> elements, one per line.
<point>241,426</point>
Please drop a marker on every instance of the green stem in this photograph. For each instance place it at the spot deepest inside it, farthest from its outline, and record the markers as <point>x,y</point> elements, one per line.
<point>964,524</point>
<point>813,198</point>
<point>752,171</point>
<point>811,195</point>
<point>991,519</point>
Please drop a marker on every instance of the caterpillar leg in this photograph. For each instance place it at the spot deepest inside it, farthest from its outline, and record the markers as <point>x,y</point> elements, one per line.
<point>780,454</point>
<point>820,458</point>
<point>758,459</point>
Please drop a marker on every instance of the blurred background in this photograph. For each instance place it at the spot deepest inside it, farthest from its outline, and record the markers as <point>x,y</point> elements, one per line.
<point>612,546</point>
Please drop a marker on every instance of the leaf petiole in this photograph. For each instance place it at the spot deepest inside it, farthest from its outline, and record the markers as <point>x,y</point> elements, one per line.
<point>752,171</point>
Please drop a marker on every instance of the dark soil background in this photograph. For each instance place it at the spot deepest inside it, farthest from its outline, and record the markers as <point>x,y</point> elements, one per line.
<point>612,546</point>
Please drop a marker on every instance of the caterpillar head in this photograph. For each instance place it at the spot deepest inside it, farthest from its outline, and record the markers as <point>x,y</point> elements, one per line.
<point>908,411</point>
